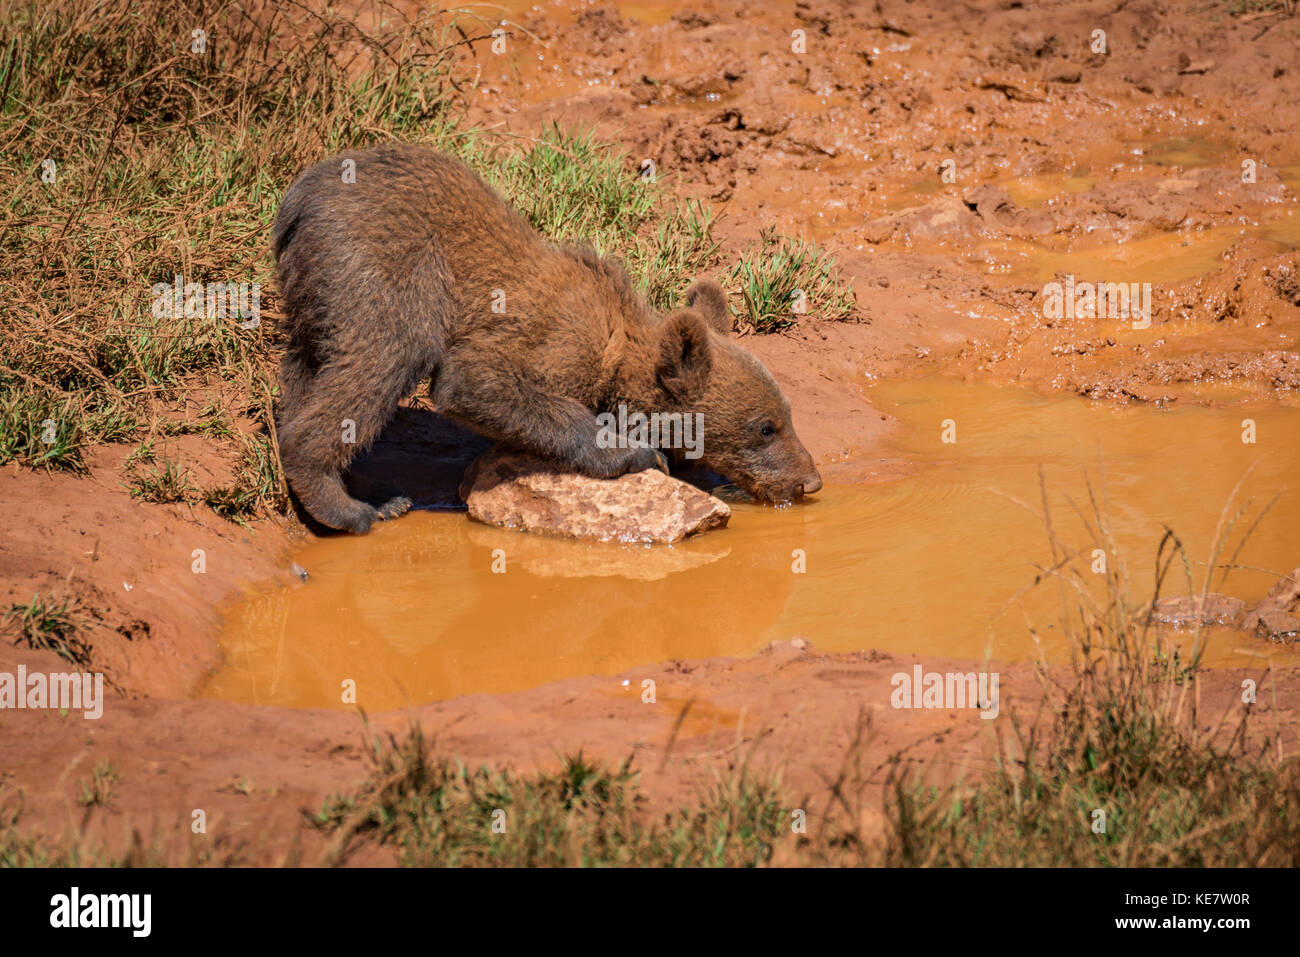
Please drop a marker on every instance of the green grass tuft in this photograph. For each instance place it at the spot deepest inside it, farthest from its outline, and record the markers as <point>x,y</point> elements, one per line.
<point>435,812</point>
<point>162,484</point>
<point>48,623</point>
<point>779,280</point>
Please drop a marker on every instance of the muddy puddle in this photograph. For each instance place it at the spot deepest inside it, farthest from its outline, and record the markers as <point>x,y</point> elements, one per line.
<point>930,564</point>
<point>1161,258</point>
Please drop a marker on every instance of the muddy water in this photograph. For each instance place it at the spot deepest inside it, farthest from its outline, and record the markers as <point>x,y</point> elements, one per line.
<point>413,612</point>
<point>1160,258</point>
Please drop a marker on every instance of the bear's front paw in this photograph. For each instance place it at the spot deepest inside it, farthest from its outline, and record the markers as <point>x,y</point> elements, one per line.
<point>644,457</point>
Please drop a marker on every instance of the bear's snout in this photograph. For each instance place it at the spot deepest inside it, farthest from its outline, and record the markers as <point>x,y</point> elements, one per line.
<point>800,479</point>
<point>809,479</point>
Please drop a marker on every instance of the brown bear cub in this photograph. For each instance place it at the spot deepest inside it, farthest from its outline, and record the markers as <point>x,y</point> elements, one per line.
<point>400,263</point>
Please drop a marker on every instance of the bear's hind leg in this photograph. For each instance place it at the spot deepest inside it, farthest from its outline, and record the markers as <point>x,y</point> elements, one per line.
<point>297,373</point>
<point>344,410</point>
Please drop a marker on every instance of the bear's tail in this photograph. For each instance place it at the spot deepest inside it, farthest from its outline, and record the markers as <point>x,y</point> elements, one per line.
<point>286,220</point>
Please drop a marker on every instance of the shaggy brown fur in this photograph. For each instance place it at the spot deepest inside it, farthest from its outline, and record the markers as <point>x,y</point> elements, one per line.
<point>419,269</point>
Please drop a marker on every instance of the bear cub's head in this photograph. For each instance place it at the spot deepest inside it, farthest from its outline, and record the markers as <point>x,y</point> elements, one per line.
<point>748,435</point>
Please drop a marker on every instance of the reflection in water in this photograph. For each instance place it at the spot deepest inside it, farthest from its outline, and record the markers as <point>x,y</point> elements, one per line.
<point>413,612</point>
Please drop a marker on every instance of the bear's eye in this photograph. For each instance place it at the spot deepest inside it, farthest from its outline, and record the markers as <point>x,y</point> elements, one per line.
<point>767,431</point>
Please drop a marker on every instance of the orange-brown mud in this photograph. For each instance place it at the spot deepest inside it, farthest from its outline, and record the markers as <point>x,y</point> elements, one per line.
<point>956,160</point>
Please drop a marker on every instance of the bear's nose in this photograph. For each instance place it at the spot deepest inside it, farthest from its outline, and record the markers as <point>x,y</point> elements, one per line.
<point>812,484</point>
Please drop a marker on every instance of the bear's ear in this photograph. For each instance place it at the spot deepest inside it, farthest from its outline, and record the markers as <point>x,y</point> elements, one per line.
<point>707,297</point>
<point>685,357</point>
